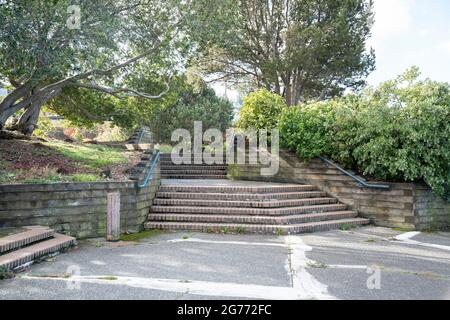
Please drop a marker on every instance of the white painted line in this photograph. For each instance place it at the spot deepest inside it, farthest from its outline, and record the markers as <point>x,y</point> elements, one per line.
<point>342,266</point>
<point>302,281</point>
<point>244,243</point>
<point>204,288</point>
<point>406,238</point>
<point>406,235</point>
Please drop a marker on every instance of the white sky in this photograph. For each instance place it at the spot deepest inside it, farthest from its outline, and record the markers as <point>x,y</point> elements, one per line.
<point>411,32</point>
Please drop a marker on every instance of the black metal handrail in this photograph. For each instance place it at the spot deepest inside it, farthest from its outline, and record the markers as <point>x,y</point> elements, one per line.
<point>361,182</point>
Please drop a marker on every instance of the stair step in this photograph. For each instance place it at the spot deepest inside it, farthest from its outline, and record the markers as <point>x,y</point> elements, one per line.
<point>243,204</point>
<point>194,167</point>
<point>141,147</point>
<point>169,155</point>
<point>238,189</point>
<point>249,211</point>
<point>243,196</point>
<point>191,176</point>
<point>19,257</point>
<point>212,218</point>
<point>168,163</point>
<point>192,172</point>
<point>21,239</point>
<point>256,228</point>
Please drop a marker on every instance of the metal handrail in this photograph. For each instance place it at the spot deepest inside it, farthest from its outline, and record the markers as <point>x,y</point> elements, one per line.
<point>141,135</point>
<point>149,173</point>
<point>361,182</point>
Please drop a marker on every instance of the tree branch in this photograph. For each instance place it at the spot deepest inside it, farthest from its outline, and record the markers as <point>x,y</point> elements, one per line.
<point>117,92</point>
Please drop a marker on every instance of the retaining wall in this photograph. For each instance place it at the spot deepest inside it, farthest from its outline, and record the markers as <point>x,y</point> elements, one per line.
<point>77,209</point>
<point>405,205</point>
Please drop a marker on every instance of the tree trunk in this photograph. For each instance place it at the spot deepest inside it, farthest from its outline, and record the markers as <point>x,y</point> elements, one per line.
<point>9,106</point>
<point>295,95</point>
<point>288,94</point>
<point>31,101</point>
<point>28,121</point>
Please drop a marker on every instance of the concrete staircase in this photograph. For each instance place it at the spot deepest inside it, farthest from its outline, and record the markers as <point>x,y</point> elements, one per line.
<point>141,136</point>
<point>141,139</point>
<point>169,170</point>
<point>247,207</point>
<point>30,244</point>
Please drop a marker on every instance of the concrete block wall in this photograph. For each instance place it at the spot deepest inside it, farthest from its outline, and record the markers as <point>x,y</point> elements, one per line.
<point>405,205</point>
<point>77,209</point>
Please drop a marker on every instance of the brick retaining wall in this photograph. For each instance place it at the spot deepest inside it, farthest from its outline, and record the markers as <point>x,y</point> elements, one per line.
<point>77,209</point>
<point>406,205</point>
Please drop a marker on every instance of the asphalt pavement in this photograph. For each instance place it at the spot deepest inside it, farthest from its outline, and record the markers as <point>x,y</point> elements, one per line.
<point>363,263</point>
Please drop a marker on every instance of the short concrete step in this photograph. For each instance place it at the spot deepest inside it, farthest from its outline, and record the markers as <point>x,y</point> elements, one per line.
<point>241,197</point>
<point>245,219</point>
<point>19,257</point>
<point>244,204</point>
<point>257,228</point>
<point>193,176</point>
<point>327,225</point>
<point>30,235</point>
<point>237,189</point>
<point>249,211</point>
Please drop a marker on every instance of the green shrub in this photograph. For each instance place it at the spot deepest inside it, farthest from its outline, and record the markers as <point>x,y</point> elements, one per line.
<point>403,133</point>
<point>204,106</point>
<point>398,132</point>
<point>308,129</point>
<point>261,110</point>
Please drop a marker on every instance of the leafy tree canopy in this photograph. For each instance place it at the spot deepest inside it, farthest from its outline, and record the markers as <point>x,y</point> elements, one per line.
<point>302,49</point>
<point>194,104</point>
<point>41,56</point>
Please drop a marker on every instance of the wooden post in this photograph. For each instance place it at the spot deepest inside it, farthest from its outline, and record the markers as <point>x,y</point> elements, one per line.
<point>113,217</point>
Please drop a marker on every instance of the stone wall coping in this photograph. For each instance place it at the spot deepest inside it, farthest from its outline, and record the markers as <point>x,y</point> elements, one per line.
<point>66,186</point>
<point>284,153</point>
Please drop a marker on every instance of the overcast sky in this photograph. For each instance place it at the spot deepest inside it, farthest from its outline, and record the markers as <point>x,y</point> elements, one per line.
<point>407,33</point>
<point>411,32</point>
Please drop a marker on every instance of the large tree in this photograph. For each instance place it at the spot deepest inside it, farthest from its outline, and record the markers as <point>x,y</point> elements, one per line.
<point>44,53</point>
<point>301,49</point>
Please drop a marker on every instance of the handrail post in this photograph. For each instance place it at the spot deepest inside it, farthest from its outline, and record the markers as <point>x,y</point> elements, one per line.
<point>113,217</point>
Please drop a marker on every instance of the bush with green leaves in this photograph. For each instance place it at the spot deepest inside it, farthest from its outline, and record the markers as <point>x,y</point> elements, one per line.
<point>308,129</point>
<point>398,132</point>
<point>261,110</point>
<point>193,105</point>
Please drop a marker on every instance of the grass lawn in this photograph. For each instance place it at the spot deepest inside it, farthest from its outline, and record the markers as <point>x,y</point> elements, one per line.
<point>164,148</point>
<point>56,161</point>
<point>93,156</point>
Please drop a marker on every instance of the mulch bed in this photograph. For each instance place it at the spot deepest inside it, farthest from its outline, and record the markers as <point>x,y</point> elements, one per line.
<point>27,155</point>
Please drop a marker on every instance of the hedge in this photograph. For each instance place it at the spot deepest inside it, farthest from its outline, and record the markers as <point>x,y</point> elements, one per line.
<point>399,131</point>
